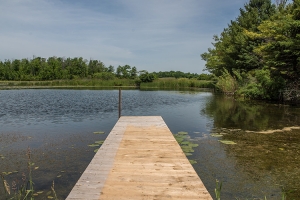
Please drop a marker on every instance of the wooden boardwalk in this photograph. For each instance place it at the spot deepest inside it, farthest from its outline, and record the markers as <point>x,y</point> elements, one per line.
<point>140,159</point>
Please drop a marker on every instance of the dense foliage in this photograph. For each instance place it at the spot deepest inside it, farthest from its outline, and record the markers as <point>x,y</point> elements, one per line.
<point>57,68</point>
<point>259,52</point>
<point>179,74</point>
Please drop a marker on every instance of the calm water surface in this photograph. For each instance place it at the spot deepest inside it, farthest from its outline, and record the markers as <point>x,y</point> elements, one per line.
<point>58,126</point>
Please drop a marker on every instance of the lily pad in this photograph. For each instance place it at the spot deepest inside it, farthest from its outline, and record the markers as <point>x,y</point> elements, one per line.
<point>179,139</point>
<point>99,142</point>
<point>99,132</point>
<point>94,145</point>
<point>182,133</point>
<point>187,149</point>
<point>6,173</point>
<point>216,135</point>
<point>227,142</point>
<point>193,145</point>
<point>193,161</point>
<point>185,143</point>
<point>96,150</point>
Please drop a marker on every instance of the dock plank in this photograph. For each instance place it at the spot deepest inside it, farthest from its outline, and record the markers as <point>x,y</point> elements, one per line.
<point>140,159</point>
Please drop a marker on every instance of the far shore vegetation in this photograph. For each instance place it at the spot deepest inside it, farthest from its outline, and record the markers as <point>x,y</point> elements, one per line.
<point>78,72</point>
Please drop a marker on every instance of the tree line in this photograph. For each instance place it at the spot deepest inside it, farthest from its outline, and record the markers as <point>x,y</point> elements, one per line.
<point>258,54</point>
<point>58,68</point>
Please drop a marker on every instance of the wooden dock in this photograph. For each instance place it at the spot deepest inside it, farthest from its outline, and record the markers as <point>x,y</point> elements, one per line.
<point>140,159</point>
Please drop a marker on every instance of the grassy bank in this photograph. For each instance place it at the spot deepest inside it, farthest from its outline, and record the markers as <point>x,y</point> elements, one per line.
<point>163,83</point>
<point>173,83</point>
<point>68,83</point>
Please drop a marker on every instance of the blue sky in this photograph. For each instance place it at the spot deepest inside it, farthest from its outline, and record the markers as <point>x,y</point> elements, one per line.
<point>153,35</point>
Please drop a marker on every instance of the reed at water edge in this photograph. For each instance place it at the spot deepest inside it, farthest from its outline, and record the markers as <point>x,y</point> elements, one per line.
<point>164,83</point>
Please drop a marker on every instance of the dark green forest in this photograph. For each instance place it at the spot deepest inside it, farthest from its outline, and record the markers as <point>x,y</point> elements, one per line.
<point>258,55</point>
<point>58,68</point>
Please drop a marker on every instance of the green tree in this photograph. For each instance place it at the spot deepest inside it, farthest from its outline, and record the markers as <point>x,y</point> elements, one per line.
<point>123,71</point>
<point>25,69</point>
<point>96,66</point>
<point>111,69</point>
<point>15,65</point>
<point>233,49</point>
<point>35,66</point>
<point>133,73</point>
<point>1,71</point>
<point>146,77</point>
<point>7,70</point>
<point>77,67</point>
<point>280,48</point>
<point>55,67</point>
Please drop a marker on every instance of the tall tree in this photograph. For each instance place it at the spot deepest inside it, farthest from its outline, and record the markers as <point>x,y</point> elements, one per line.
<point>280,48</point>
<point>233,49</point>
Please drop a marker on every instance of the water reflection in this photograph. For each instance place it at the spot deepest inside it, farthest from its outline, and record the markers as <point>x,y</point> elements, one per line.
<point>269,162</point>
<point>229,113</point>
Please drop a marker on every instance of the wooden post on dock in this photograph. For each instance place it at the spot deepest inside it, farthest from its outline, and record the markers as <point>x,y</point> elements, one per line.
<point>120,102</point>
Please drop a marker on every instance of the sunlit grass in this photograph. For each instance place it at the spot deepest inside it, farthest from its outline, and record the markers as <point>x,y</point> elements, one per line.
<point>163,83</point>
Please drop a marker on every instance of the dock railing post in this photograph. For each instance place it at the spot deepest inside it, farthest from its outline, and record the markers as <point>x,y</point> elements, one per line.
<point>120,102</point>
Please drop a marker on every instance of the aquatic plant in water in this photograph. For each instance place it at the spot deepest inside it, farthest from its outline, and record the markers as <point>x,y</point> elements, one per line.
<point>216,135</point>
<point>97,143</point>
<point>99,132</point>
<point>227,142</point>
<point>186,145</point>
<point>23,189</point>
<point>218,189</point>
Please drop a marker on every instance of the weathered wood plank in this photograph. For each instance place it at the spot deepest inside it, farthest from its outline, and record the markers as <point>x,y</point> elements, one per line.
<point>140,159</point>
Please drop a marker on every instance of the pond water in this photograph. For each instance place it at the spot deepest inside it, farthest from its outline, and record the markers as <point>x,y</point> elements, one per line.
<point>58,126</point>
